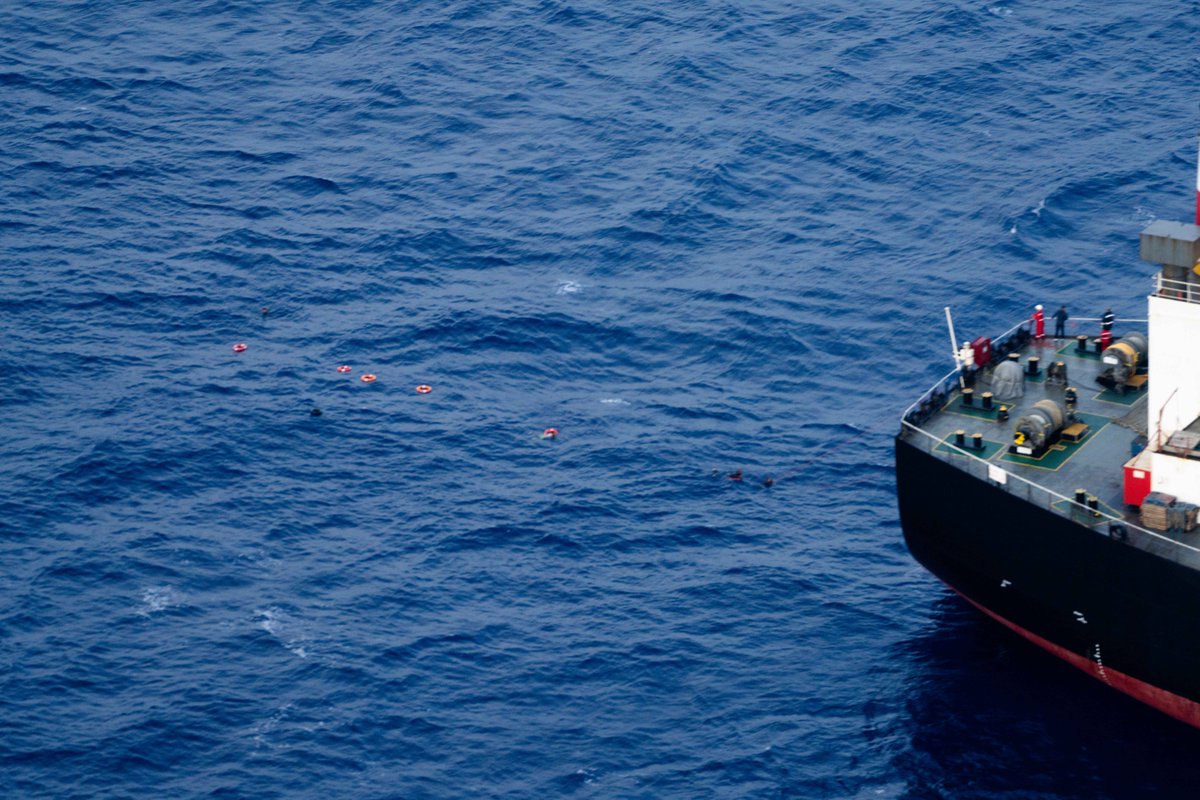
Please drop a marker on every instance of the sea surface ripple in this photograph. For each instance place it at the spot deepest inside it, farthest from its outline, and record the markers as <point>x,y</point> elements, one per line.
<point>694,238</point>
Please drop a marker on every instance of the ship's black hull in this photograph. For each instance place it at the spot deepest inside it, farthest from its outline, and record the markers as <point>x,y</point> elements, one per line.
<point>1126,616</point>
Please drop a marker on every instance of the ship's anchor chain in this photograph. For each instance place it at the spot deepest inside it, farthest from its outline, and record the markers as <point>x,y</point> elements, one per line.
<point>1100,664</point>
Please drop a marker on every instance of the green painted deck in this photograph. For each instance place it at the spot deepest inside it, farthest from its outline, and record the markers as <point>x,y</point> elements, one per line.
<point>1094,464</point>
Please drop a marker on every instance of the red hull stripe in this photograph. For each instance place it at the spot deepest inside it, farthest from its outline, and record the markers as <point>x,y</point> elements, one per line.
<point>1178,707</point>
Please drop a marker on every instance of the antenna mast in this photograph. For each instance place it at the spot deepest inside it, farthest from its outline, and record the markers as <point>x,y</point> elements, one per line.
<point>954,342</point>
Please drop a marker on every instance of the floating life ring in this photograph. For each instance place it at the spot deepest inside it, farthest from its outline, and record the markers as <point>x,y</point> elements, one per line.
<point>344,368</point>
<point>424,389</point>
<point>549,433</point>
<point>239,348</point>
<point>368,378</point>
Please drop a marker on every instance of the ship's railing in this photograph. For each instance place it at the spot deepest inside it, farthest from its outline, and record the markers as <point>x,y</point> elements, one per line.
<point>1101,521</point>
<point>932,399</point>
<point>935,397</point>
<point>1183,291</point>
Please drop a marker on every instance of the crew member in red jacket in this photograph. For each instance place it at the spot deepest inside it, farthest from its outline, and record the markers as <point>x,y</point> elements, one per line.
<point>1039,323</point>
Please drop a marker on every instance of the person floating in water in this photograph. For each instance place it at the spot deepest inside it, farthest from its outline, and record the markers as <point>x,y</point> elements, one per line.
<point>1060,322</point>
<point>739,476</point>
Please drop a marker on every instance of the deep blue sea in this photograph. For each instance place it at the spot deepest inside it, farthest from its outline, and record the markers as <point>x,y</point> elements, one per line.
<point>693,237</point>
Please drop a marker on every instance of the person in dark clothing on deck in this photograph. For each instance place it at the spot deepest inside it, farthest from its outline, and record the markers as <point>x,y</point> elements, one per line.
<point>1060,322</point>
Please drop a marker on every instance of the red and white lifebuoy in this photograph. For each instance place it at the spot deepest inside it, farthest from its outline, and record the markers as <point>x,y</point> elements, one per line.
<point>368,378</point>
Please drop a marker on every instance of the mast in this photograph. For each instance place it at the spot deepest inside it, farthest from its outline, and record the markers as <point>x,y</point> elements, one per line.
<point>954,340</point>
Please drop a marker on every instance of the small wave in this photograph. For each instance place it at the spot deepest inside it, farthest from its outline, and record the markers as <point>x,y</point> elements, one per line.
<point>1143,215</point>
<point>270,157</point>
<point>308,185</point>
<point>80,85</point>
<point>274,621</point>
<point>158,598</point>
<point>584,776</point>
<point>264,729</point>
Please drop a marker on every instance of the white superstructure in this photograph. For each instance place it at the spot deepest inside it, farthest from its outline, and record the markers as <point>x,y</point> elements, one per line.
<point>1174,350</point>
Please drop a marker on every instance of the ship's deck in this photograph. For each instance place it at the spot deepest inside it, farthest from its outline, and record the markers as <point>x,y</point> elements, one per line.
<point>1095,463</point>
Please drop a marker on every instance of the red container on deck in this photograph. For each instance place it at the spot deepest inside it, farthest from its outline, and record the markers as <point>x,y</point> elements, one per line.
<point>1137,479</point>
<point>983,351</point>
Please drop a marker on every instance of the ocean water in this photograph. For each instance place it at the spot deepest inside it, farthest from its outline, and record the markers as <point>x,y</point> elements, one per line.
<point>694,238</point>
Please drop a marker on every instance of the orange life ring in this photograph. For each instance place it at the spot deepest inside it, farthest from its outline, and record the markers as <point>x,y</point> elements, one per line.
<point>367,378</point>
<point>423,389</point>
<point>239,348</point>
<point>344,368</point>
<point>550,433</point>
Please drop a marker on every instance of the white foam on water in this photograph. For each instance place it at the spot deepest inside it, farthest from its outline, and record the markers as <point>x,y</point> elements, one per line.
<point>1143,215</point>
<point>266,620</point>
<point>568,287</point>
<point>264,729</point>
<point>158,598</point>
<point>273,620</point>
<point>614,401</point>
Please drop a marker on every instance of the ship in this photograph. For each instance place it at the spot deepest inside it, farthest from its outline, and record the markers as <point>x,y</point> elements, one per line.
<point>1052,481</point>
